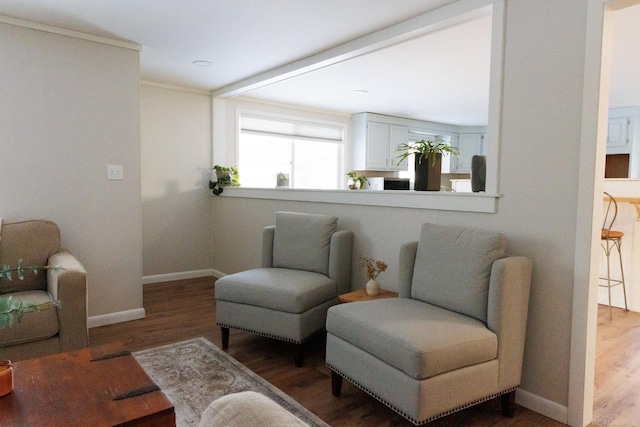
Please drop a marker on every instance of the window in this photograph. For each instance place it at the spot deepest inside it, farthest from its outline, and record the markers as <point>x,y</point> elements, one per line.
<point>309,153</point>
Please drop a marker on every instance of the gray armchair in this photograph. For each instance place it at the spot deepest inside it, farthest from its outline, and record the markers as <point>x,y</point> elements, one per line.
<point>50,329</point>
<point>306,264</point>
<point>453,338</point>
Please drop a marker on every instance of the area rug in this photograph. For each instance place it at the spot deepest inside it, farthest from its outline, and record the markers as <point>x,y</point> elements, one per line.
<point>194,373</point>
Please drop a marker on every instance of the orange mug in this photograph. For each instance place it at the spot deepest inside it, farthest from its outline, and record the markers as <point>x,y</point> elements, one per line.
<point>6,377</point>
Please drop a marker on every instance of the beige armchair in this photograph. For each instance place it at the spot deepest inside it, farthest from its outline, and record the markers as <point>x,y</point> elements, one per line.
<point>454,337</point>
<point>50,329</point>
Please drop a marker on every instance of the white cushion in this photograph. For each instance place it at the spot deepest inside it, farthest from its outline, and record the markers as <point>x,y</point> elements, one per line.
<point>418,338</point>
<point>247,409</point>
<point>452,268</point>
<point>280,289</point>
<point>301,241</point>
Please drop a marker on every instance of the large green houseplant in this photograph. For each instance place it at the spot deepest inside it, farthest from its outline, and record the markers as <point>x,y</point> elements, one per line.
<point>225,175</point>
<point>428,161</point>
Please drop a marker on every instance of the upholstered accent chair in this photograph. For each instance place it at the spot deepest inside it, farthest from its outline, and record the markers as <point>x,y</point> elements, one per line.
<point>248,409</point>
<point>50,329</point>
<point>306,264</point>
<point>454,337</point>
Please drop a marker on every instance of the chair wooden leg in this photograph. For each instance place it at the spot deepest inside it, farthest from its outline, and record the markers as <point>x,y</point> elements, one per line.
<point>508,401</point>
<point>336,383</point>
<point>298,355</point>
<point>225,337</point>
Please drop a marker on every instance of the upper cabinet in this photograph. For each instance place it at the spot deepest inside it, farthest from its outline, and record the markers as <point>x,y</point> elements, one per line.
<point>469,144</point>
<point>376,137</point>
<point>375,141</point>
<point>623,136</point>
<point>618,135</point>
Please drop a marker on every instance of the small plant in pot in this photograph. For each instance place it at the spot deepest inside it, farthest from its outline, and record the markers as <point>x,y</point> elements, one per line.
<point>225,175</point>
<point>356,182</point>
<point>282,179</point>
<point>373,268</point>
<point>428,161</point>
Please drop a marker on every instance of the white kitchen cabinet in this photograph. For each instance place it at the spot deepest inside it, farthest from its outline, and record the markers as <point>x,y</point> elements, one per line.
<point>377,146</point>
<point>376,137</point>
<point>469,144</point>
<point>618,136</point>
<point>375,143</point>
<point>623,136</point>
<point>397,135</point>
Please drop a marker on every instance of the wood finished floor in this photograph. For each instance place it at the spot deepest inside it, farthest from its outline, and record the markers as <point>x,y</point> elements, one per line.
<point>617,376</point>
<point>180,310</point>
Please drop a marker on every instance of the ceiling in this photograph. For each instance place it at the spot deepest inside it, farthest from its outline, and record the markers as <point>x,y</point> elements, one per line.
<point>442,76</point>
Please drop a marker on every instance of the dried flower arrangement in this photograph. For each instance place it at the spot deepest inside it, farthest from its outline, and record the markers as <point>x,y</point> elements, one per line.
<point>374,267</point>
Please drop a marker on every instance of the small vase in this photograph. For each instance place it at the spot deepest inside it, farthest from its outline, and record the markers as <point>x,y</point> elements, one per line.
<point>373,288</point>
<point>6,377</point>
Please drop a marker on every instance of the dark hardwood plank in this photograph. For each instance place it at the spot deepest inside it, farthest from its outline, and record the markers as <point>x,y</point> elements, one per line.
<point>185,309</point>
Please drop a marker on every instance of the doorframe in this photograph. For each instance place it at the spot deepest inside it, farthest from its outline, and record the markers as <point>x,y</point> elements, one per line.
<point>595,106</point>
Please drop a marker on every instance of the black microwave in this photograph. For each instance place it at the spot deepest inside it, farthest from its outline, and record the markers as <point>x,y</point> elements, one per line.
<point>396,183</point>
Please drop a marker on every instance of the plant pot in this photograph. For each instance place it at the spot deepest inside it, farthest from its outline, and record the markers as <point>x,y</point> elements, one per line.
<point>223,176</point>
<point>353,184</point>
<point>6,377</point>
<point>428,173</point>
<point>372,288</point>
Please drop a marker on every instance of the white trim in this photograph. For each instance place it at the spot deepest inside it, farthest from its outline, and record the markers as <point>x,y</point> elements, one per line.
<point>69,33</point>
<point>438,200</point>
<point>118,317</point>
<point>493,138</point>
<point>181,275</point>
<point>541,405</point>
<point>584,314</point>
<point>176,87</point>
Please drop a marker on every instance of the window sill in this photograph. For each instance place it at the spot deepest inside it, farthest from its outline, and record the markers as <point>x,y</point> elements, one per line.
<point>440,200</point>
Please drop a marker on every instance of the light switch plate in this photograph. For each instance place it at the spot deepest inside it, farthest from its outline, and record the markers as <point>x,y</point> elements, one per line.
<point>115,172</point>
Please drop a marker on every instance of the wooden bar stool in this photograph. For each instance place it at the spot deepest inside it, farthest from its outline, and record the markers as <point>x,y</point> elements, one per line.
<point>611,239</point>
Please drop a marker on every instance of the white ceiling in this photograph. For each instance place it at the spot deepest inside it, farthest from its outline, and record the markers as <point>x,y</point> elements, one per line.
<point>442,76</point>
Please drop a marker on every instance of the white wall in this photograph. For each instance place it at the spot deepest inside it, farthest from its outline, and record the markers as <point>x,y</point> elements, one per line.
<point>69,107</point>
<point>539,163</point>
<point>176,205</point>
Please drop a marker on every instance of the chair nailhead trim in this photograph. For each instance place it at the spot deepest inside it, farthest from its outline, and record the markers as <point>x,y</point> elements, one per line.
<point>275,337</point>
<point>413,420</point>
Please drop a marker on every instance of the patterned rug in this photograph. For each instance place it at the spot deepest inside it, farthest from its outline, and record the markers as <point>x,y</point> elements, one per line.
<point>194,373</point>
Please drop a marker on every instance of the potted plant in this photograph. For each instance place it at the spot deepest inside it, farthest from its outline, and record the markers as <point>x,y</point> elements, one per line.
<point>282,179</point>
<point>356,182</point>
<point>374,268</point>
<point>428,161</point>
<point>225,175</point>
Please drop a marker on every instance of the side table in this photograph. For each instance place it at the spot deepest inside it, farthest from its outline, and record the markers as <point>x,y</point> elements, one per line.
<point>361,295</point>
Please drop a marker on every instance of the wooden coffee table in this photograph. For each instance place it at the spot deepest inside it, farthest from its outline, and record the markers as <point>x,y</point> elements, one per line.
<point>72,389</point>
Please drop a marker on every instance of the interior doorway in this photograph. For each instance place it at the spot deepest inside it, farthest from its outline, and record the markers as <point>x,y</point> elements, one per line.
<point>617,353</point>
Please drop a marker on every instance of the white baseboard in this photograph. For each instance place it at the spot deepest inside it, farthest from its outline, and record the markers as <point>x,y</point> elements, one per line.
<point>111,318</point>
<point>139,313</point>
<point>542,406</point>
<point>183,275</point>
